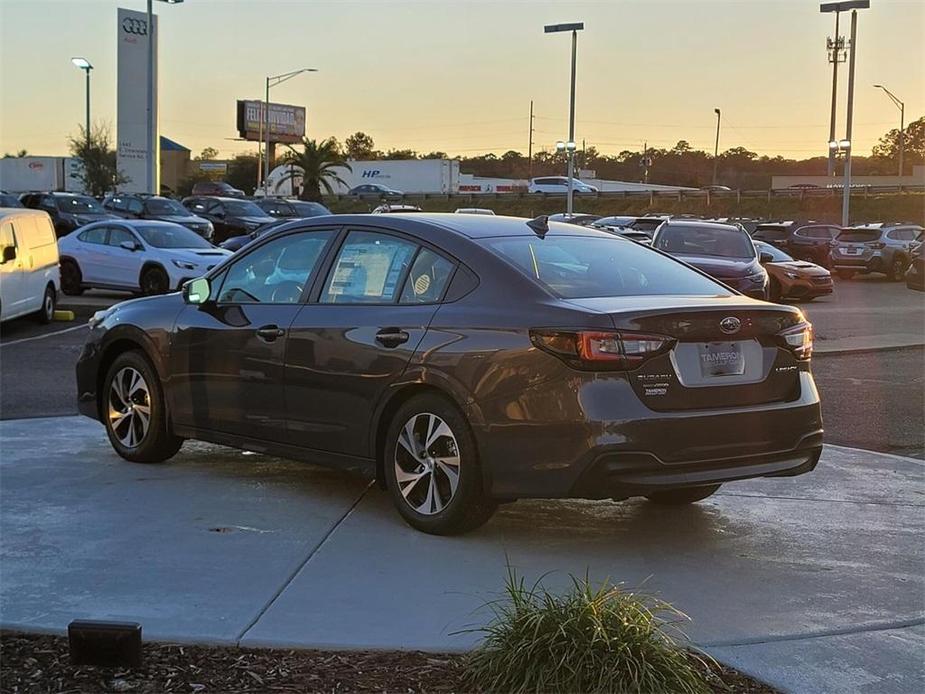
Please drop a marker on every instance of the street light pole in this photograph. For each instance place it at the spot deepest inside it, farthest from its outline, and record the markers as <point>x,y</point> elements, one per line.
<point>272,81</point>
<point>573,27</point>
<point>716,147</point>
<point>85,65</point>
<point>902,124</point>
<point>846,194</point>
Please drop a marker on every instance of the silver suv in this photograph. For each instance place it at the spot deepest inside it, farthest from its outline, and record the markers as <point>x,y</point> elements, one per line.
<point>877,247</point>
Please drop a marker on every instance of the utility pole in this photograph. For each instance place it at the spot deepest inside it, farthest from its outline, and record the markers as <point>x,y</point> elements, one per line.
<point>716,148</point>
<point>846,195</point>
<point>902,123</point>
<point>530,145</point>
<point>645,162</point>
<point>836,50</point>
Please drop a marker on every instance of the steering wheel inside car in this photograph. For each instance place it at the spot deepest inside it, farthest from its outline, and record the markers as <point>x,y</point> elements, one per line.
<point>286,293</point>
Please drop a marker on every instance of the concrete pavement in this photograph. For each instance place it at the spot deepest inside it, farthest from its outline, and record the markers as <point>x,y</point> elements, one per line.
<point>812,583</point>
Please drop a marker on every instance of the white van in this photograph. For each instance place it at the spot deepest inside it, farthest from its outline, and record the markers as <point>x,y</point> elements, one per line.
<point>29,273</point>
<point>559,184</point>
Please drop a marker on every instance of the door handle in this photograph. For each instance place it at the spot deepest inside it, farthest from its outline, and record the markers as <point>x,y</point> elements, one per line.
<point>269,333</point>
<point>392,337</point>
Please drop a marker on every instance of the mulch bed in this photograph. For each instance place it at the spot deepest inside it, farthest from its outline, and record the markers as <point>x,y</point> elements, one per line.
<point>31,663</point>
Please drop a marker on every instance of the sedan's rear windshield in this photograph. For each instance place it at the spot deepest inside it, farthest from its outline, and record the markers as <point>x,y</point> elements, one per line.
<point>771,233</point>
<point>717,241</point>
<point>171,236</point>
<point>576,267</point>
<point>859,235</point>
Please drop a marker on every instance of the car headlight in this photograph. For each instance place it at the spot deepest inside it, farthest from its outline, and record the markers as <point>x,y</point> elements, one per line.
<point>757,277</point>
<point>792,275</point>
<point>99,316</point>
<point>184,264</point>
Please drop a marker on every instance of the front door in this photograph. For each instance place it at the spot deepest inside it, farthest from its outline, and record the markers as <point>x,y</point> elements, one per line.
<point>123,266</point>
<point>13,293</point>
<point>346,348</point>
<point>227,356</point>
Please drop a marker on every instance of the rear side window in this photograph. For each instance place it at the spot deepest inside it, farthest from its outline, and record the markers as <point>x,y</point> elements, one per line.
<point>428,278</point>
<point>814,232</point>
<point>368,269</point>
<point>859,235</point>
<point>574,267</point>
<point>95,235</point>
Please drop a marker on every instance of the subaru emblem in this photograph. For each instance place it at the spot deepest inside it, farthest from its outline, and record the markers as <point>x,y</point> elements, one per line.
<point>730,325</point>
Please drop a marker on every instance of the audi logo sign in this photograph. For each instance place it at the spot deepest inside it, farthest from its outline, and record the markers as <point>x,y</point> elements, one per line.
<point>138,27</point>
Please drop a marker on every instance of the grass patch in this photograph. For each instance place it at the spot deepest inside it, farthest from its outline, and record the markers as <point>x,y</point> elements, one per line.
<point>590,639</point>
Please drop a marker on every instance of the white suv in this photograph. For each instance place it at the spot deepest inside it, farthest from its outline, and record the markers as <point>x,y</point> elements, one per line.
<point>558,184</point>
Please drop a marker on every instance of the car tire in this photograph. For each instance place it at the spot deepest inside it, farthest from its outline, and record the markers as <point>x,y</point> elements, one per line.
<point>684,495</point>
<point>845,274</point>
<point>154,281</point>
<point>71,278</point>
<point>134,411</point>
<point>46,314</point>
<point>897,269</point>
<point>427,496</point>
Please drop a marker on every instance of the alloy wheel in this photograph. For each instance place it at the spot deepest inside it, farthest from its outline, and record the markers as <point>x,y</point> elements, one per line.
<point>427,463</point>
<point>129,407</point>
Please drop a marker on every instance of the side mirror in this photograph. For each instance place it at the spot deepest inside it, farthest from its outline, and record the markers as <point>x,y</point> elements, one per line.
<point>197,292</point>
<point>9,254</point>
<point>765,257</point>
<point>129,246</point>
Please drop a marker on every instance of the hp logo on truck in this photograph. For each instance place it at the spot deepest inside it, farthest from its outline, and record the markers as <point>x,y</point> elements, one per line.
<point>730,325</point>
<point>370,173</point>
<point>135,26</point>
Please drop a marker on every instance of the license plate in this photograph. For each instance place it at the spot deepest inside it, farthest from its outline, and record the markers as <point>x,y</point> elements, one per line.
<point>721,359</point>
<point>852,251</point>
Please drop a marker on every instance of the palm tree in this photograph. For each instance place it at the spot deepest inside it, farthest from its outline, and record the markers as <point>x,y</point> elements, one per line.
<point>317,161</point>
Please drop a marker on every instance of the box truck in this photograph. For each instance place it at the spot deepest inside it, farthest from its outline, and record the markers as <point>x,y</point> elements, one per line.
<point>25,174</point>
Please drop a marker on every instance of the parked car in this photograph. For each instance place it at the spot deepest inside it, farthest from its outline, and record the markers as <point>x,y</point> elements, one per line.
<point>29,276</point>
<point>810,242</point>
<point>631,234</point>
<point>474,210</point>
<point>578,218</point>
<point>463,362</point>
<point>559,184</point>
<point>883,248</point>
<point>793,279</point>
<point>376,189</point>
<point>157,207</point>
<point>219,188</point>
<point>648,223</point>
<point>144,256</point>
<point>391,209</point>
<point>228,216</point>
<point>235,243</point>
<point>68,211</point>
<point>10,200</point>
<point>915,275</point>
<point>716,189</point>
<point>282,208</point>
<point>723,251</point>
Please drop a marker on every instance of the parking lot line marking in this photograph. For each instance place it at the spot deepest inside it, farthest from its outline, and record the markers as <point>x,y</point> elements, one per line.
<point>42,337</point>
<point>906,458</point>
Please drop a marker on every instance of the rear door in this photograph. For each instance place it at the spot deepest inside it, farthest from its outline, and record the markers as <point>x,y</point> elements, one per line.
<point>12,278</point>
<point>91,254</point>
<point>368,316</point>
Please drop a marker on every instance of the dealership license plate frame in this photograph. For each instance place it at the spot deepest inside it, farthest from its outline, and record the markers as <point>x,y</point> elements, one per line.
<point>721,359</point>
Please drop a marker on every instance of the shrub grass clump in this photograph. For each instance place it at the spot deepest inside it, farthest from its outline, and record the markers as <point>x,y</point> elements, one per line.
<point>591,639</point>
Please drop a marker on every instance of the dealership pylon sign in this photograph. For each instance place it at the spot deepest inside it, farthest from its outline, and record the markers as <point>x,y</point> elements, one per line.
<point>132,100</point>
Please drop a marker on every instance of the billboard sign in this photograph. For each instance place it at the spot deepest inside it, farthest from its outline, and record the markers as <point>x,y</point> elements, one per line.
<point>131,100</point>
<point>287,122</point>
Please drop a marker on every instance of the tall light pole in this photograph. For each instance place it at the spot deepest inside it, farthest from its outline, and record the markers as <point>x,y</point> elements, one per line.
<point>152,145</point>
<point>85,65</point>
<point>836,53</point>
<point>272,82</point>
<point>573,27</point>
<point>902,124</point>
<point>844,6</point>
<point>716,146</point>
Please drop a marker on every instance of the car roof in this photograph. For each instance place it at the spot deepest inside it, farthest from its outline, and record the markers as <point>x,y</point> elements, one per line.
<point>220,198</point>
<point>20,211</point>
<point>673,223</point>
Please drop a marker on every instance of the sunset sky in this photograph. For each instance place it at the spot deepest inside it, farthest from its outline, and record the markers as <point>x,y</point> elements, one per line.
<point>459,76</point>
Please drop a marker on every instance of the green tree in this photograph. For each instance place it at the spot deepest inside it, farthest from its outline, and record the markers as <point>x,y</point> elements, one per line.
<point>400,154</point>
<point>360,146</point>
<point>100,174</point>
<point>318,161</point>
<point>435,155</point>
<point>887,149</point>
<point>208,154</point>
<point>19,155</point>
<point>242,172</point>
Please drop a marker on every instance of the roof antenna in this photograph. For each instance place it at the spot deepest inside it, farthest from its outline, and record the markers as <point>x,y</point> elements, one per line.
<point>539,225</point>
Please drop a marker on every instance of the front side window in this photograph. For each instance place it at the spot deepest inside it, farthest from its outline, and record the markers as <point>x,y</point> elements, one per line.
<point>576,267</point>
<point>7,238</point>
<point>429,276</point>
<point>118,235</point>
<point>368,269</point>
<point>277,272</point>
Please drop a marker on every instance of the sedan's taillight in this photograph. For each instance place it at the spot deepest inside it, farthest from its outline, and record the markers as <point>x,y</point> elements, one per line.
<point>799,340</point>
<point>600,351</point>
<point>876,244</point>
